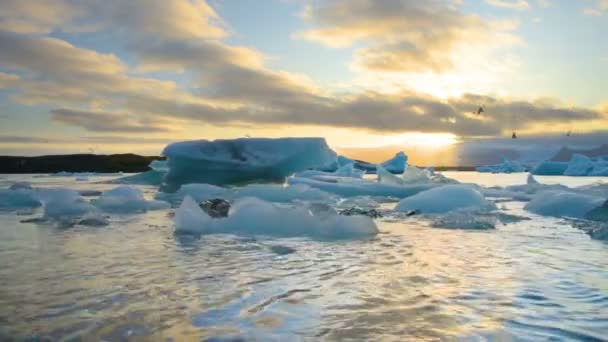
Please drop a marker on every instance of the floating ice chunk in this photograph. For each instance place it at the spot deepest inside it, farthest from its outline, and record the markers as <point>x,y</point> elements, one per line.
<point>507,166</point>
<point>444,199</point>
<point>394,165</point>
<point>278,193</point>
<point>600,169</point>
<point>349,170</point>
<point>386,177</point>
<point>93,219</point>
<point>125,199</point>
<point>159,165</point>
<point>362,187</point>
<point>550,168</point>
<point>190,218</point>
<point>64,204</point>
<point>413,174</point>
<point>243,160</point>
<point>254,216</point>
<point>562,203</point>
<point>198,192</point>
<point>20,186</point>
<point>19,198</point>
<point>579,165</point>
<point>465,219</point>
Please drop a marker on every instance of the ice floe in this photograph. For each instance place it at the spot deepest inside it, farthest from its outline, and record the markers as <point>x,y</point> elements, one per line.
<point>352,187</point>
<point>253,216</point>
<point>563,203</point>
<point>125,199</point>
<point>444,199</point>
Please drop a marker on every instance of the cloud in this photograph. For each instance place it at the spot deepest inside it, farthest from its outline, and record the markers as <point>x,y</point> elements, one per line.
<point>107,122</point>
<point>512,4</point>
<point>176,19</point>
<point>7,80</point>
<point>600,8</point>
<point>99,92</point>
<point>401,35</point>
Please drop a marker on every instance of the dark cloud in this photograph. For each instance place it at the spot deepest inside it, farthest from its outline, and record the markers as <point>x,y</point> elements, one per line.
<point>106,122</point>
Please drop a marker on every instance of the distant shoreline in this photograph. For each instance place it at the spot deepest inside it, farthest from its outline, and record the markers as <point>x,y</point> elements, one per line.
<point>112,163</point>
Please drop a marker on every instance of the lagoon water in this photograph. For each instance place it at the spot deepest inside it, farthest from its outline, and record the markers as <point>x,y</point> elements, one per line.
<point>534,279</point>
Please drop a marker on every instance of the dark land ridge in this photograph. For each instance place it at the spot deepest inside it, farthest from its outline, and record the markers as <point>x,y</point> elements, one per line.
<point>128,163</point>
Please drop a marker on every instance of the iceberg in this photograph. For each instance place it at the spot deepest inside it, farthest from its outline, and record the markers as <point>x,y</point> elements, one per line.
<point>64,205</point>
<point>396,164</point>
<point>252,216</point>
<point>563,203</point>
<point>243,160</point>
<point>579,165</point>
<point>18,197</point>
<point>125,200</point>
<point>507,166</point>
<point>444,199</point>
<point>550,168</point>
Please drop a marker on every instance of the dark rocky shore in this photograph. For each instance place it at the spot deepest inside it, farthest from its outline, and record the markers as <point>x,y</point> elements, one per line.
<point>76,163</point>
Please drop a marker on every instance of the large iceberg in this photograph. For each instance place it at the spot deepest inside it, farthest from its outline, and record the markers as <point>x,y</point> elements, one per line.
<point>445,199</point>
<point>243,160</point>
<point>253,216</point>
<point>507,166</point>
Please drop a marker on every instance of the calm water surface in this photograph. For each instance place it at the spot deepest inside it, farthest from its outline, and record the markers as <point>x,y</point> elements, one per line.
<point>537,279</point>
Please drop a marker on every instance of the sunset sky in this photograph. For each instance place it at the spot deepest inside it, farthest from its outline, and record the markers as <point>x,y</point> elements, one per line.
<point>130,76</point>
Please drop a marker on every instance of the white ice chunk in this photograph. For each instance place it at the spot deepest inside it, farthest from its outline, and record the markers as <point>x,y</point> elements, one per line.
<point>279,193</point>
<point>444,199</point>
<point>125,199</point>
<point>386,177</point>
<point>257,217</point>
<point>190,218</point>
<point>64,204</point>
<point>562,203</point>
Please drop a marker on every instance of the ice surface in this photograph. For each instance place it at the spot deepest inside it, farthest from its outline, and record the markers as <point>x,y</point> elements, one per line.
<point>444,199</point>
<point>279,193</point>
<point>198,192</point>
<point>347,170</point>
<point>125,199</point>
<point>396,164</point>
<point>18,198</point>
<point>243,160</point>
<point>361,187</point>
<point>253,216</point>
<point>64,204</point>
<point>550,168</point>
<point>579,165</point>
<point>507,166</point>
<point>563,203</point>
